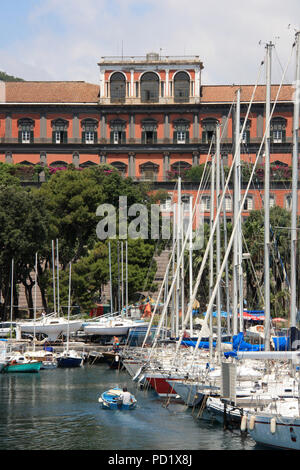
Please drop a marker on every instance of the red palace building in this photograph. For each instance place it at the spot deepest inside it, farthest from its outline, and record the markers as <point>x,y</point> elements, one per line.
<point>151,118</point>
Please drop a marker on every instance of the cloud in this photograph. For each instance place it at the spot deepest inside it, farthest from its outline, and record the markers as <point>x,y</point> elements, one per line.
<point>71,36</point>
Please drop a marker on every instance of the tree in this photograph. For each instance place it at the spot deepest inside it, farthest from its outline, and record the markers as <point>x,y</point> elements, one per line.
<point>23,221</point>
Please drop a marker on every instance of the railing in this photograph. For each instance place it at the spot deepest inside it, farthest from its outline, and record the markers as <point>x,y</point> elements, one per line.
<point>150,58</point>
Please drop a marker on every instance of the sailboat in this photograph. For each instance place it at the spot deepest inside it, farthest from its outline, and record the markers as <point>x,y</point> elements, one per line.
<point>52,325</point>
<point>69,358</point>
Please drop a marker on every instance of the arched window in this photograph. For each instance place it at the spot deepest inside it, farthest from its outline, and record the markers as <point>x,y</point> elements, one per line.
<point>149,171</point>
<point>88,164</point>
<point>117,87</point>
<point>208,129</point>
<point>59,164</point>
<point>180,168</point>
<point>25,131</point>
<point>89,133</point>
<point>59,131</point>
<point>181,87</point>
<point>149,87</point>
<point>277,127</point>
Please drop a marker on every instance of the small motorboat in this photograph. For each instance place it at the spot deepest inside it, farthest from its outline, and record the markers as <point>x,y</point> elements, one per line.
<point>19,363</point>
<point>111,399</point>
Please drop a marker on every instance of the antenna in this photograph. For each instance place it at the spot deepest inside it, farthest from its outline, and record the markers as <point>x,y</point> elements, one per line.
<point>122,49</point>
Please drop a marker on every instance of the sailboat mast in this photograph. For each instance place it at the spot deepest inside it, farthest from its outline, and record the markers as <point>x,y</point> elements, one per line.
<point>191,261</point>
<point>126,274</point>
<point>236,208</point>
<point>69,306</point>
<point>57,271</point>
<point>211,252</point>
<point>218,239</point>
<point>53,275</point>
<point>267,199</point>
<point>11,296</point>
<point>34,309</point>
<point>295,157</point>
<point>110,278</point>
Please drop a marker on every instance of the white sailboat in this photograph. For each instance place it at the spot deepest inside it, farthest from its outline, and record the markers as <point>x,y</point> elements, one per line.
<point>69,358</point>
<point>53,326</point>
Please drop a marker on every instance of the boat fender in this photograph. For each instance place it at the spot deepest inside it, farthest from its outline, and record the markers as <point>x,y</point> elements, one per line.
<point>273,425</point>
<point>117,358</point>
<point>244,423</point>
<point>252,423</point>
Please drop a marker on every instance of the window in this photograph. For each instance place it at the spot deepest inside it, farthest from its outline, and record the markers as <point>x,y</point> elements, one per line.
<point>25,137</point>
<point>205,204</point>
<point>181,131</point>
<point>277,130</point>
<point>149,171</point>
<point>180,168</point>
<point>181,87</point>
<point>60,131</point>
<point>89,137</point>
<point>149,131</point>
<point>181,137</point>
<point>208,130</point>
<point>167,204</point>
<point>149,87</point>
<point>118,132</point>
<point>246,134</point>
<point>185,199</point>
<point>228,203</point>
<point>248,205</point>
<point>117,87</point>
<point>89,131</point>
<point>25,127</point>
<point>120,166</point>
<point>288,202</point>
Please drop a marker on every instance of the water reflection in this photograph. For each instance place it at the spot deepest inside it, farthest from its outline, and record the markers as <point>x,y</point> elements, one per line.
<point>59,409</point>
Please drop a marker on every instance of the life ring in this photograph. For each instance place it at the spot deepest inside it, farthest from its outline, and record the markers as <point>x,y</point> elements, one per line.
<point>260,328</point>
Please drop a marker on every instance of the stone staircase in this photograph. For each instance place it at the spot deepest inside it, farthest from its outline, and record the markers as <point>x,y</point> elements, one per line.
<point>162,263</point>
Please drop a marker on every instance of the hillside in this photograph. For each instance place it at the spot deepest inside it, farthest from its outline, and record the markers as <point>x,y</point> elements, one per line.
<point>9,78</point>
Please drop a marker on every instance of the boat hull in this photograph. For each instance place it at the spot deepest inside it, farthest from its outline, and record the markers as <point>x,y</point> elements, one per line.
<point>66,362</point>
<point>52,330</point>
<point>28,368</point>
<point>286,435</point>
<point>160,384</point>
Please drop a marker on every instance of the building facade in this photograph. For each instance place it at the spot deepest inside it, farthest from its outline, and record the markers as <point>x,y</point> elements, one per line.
<point>150,117</point>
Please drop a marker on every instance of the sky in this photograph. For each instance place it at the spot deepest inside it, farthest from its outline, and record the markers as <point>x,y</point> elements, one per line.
<point>65,39</point>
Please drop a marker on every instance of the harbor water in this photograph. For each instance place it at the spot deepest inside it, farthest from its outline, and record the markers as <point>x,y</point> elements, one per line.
<point>58,410</point>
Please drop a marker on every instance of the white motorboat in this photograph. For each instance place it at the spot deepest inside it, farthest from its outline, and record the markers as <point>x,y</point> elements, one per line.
<point>52,326</point>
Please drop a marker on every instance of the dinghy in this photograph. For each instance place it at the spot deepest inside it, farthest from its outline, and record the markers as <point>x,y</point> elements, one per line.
<point>111,399</point>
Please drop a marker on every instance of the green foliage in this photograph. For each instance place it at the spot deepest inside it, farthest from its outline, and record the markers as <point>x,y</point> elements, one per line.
<point>9,78</point>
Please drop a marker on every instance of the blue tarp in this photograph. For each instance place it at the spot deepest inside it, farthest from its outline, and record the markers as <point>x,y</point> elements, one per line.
<point>238,344</point>
<point>281,343</point>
